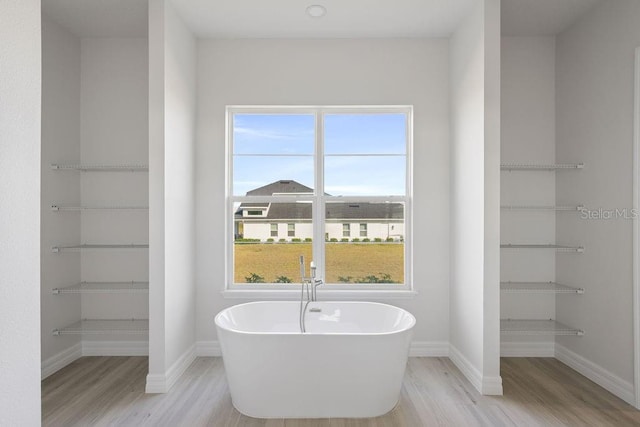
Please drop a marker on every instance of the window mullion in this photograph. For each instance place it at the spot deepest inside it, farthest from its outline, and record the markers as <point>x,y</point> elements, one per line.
<point>319,210</point>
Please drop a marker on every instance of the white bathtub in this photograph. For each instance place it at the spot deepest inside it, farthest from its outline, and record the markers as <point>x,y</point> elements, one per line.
<point>350,363</point>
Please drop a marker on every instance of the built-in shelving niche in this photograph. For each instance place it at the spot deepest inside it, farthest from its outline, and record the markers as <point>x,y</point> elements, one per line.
<point>102,326</point>
<point>536,327</point>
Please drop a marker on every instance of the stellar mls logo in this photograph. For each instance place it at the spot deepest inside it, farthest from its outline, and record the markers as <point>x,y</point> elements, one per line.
<point>608,214</point>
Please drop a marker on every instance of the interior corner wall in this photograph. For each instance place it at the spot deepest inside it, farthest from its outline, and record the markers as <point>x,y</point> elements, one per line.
<point>595,87</point>
<point>113,130</point>
<point>475,193</point>
<point>20,125</point>
<point>60,144</point>
<point>528,136</point>
<point>172,102</point>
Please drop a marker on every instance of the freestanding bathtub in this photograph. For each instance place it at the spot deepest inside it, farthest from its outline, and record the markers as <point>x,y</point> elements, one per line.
<point>350,363</point>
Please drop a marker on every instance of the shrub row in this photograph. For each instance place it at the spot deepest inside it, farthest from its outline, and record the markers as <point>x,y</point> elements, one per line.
<point>384,278</point>
<point>331,240</point>
<point>256,278</point>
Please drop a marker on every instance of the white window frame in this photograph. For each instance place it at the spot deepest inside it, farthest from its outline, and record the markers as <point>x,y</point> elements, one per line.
<point>343,291</point>
<point>363,228</point>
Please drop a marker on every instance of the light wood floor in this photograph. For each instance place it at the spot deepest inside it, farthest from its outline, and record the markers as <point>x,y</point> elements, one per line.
<point>105,391</point>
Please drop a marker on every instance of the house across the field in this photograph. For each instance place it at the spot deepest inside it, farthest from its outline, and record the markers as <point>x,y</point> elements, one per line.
<point>294,220</point>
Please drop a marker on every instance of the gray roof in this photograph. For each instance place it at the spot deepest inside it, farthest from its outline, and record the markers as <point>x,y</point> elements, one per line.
<point>282,186</point>
<point>335,211</point>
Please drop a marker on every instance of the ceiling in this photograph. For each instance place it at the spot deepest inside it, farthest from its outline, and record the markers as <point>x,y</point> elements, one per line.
<point>100,18</point>
<point>541,17</point>
<point>287,18</point>
<point>344,18</point>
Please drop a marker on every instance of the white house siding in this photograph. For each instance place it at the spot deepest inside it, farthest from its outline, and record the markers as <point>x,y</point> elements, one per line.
<point>375,230</point>
<point>262,230</point>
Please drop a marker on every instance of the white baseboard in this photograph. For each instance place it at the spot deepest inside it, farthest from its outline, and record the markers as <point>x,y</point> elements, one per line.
<point>115,348</point>
<point>429,349</point>
<point>162,383</point>
<point>93,348</point>
<point>156,383</point>
<point>60,360</point>
<point>467,369</point>
<point>492,386</point>
<point>605,379</point>
<point>485,385</point>
<point>527,349</point>
<point>208,349</point>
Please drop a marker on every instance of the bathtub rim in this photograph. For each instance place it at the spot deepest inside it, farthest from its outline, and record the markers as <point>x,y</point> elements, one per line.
<point>408,328</point>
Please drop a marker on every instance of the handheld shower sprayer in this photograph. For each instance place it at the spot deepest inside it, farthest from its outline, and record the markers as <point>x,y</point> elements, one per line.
<point>309,284</point>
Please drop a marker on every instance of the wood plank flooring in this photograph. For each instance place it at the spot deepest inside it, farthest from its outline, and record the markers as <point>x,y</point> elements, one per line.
<point>109,391</point>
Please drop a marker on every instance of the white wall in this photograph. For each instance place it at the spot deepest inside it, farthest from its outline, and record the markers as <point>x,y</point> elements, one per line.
<point>20,91</point>
<point>180,258</point>
<point>492,383</point>
<point>60,144</point>
<point>475,189</point>
<point>157,357</point>
<point>172,195</point>
<point>329,72</point>
<point>528,136</point>
<point>595,63</point>
<point>114,130</point>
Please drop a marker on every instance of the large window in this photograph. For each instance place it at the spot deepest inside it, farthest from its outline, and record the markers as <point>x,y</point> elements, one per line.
<point>319,172</point>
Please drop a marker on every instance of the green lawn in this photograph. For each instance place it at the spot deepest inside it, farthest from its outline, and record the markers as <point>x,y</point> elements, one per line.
<point>357,260</point>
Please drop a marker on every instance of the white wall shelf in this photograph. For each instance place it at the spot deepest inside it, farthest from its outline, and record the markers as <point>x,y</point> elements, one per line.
<point>105,327</point>
<point>557,248</point>
<point>101,168</point>
<point>132,287</point>
<point>542,208</point>
<point>58,208</point>
<point>78,248</point>
<point>536,327</point>
<point>540,167</point>
<point>538,288</point>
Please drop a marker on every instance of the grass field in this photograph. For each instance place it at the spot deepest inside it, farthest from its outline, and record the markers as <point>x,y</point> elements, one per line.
<point>357,260</point>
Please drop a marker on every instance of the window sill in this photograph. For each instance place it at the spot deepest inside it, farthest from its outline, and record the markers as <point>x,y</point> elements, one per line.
<point>330,295</point>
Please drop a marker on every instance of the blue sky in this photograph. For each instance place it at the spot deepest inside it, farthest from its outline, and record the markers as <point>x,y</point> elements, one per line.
<point>270,147</point>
